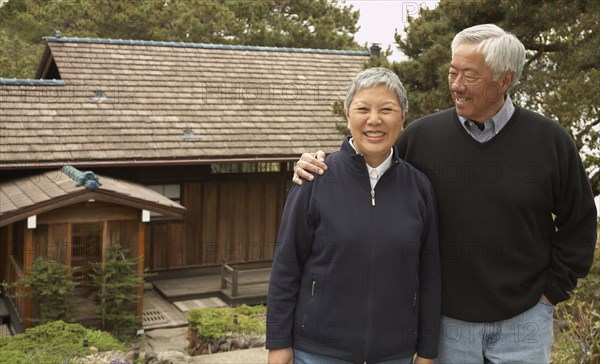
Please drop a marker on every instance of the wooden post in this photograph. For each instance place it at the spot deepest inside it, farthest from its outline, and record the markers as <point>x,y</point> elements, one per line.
<point>140,252</point>
<point>27,262</point>
<point>9,250</point>
<point>223,281</point>
<point>234,283</point>
<point>69,252</point>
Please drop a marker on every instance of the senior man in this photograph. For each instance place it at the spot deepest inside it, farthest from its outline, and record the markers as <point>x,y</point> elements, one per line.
<point>516,211</point>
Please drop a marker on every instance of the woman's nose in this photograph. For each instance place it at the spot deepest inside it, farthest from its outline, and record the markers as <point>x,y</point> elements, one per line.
<point>374,118</point>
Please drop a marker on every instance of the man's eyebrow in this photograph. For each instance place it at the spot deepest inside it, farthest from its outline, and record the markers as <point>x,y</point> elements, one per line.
<point>464,69</point>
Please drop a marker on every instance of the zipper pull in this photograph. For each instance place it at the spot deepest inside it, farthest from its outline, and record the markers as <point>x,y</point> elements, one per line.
<point>415,302</point>
<point>372,197</point>
<point>312,288</point>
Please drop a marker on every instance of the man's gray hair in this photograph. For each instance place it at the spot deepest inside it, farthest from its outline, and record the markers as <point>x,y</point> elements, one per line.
<point>502,51</point>
<point>376,76</point>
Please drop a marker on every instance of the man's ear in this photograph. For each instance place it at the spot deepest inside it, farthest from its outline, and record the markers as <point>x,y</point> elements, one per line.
<point>507,79</point>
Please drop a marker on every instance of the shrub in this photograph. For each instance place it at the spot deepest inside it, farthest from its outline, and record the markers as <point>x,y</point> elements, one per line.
<point>51,285</point>
<point>218,322</point>
<point>578,332</point>
<point>224,329</point>
<point>54,342</point>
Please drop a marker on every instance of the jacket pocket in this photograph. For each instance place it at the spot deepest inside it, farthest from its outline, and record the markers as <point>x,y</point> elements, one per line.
<point>313,290</point>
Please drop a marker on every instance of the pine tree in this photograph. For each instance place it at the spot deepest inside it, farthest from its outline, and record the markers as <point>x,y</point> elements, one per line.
<point>117,280</point>
<point>51,285</point>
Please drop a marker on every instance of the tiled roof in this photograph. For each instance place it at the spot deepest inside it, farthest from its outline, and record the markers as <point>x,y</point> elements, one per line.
<point>126,101</point>
<point>47,191</point>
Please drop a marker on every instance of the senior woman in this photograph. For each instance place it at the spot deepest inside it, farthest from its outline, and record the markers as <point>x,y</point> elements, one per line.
<point>356,275</point>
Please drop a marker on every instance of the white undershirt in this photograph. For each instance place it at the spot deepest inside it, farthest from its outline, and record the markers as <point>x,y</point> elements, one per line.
<point>376,173</point>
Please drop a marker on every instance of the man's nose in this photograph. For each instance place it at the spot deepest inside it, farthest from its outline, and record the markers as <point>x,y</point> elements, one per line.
<point>457,84</point>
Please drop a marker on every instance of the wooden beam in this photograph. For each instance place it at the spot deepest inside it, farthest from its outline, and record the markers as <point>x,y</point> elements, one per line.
<point>82,215</point>
<point>140,253</point>
<point>69,252</point>
<point>27,262</point>
<point>9,247</point>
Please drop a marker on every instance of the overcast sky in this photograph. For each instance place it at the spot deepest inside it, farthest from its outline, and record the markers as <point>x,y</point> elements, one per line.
<point>379,19</point>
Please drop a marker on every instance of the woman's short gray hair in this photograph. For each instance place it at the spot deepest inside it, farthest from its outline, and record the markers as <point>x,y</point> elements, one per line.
<point>372,77</point>
<point>502,51</point>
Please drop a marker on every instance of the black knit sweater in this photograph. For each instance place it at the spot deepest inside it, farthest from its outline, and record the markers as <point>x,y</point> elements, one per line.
<point>517,215</point>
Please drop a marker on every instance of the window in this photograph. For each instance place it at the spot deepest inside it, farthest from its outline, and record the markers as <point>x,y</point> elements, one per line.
<point>172,191</point>
<point>263,167</point>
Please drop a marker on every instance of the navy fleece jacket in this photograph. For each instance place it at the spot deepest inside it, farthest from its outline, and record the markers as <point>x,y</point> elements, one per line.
<point>352,279</point>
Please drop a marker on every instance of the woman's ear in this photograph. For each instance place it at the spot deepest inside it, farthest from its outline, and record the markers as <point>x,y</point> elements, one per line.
<point>404,115</point>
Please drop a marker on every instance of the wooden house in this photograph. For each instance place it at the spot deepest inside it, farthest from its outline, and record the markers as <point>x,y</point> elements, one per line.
<point>213,128</point>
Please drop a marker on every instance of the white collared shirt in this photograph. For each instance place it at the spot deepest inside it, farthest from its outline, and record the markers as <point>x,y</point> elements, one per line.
<point>377,172</point>
<point>493,125</point>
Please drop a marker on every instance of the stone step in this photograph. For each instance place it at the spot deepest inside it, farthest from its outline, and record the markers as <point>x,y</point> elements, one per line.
<point>3,310</point>
<point>4,331</point>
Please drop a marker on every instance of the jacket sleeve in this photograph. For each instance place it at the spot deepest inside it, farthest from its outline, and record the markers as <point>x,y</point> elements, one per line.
<point>430,281</point>
<point>294,244</point>
<point>574,238</point>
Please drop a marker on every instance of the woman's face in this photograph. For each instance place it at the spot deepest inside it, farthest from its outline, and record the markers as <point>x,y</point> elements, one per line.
<point>375,120</point>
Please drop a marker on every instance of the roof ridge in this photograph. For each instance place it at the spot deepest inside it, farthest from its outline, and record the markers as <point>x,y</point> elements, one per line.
<point>203,45</point>
<point>30,82</point>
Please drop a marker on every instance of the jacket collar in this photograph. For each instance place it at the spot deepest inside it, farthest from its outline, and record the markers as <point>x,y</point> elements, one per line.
<point>357,159</point>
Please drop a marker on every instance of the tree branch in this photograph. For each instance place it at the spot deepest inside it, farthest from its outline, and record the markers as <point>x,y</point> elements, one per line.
<point>587,128</point>
<point>554,47</point>
<point>536,56</point>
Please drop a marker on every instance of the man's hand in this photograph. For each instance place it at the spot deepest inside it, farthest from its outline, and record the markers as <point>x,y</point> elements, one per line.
<point>309,163</point>
<point>281,356</point>
<point>419,360</point>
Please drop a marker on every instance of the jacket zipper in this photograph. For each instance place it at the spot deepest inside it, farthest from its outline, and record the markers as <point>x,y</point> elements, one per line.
<point>369,284</point>
<point>373,190</point>
<point>415,302</point>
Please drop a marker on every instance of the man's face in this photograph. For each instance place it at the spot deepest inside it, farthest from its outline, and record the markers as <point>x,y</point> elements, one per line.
<point>375,120</point>
<point>476,94</point>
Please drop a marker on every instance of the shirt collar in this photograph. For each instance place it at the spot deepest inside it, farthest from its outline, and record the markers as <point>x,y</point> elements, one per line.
<point>376,173</point>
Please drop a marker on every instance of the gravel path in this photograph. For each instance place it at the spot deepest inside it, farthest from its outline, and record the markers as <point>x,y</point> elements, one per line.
<point>247,356</point>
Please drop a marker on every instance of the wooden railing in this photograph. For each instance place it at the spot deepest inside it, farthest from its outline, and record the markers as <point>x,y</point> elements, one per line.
<point>236,275</point>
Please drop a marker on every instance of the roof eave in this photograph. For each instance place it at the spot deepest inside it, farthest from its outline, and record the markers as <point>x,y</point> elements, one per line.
<point>86,195</point>
<point>145,163</point>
